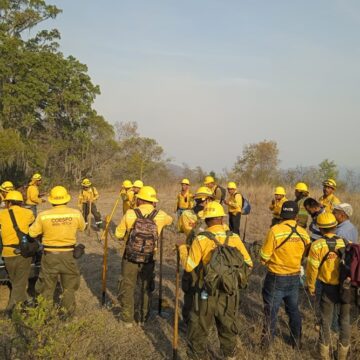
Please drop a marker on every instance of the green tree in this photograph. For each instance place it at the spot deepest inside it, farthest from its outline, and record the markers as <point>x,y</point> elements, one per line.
<point>258,163</point>
<point>328,169</point>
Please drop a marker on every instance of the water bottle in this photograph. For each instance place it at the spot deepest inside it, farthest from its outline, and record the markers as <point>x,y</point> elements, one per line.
<point>23,244</point>
<point>204,295</point>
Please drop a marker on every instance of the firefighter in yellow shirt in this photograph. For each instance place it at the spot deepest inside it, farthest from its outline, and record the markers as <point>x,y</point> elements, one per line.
<point>209,181</point>
<point>184,198</point>
<point>276,204</point>
<point>328,200</point>
<point>301,194</point>
<point>127,195</point>
<point>234,203</point>
<point>137,185</point>
<point>33,196</point>
<point>219,308</point>
<point>87,198</point>
<point>190,223</point>
<point>58,227</point>
<point>5,187</point>
<point>282,253</point>
<point>134,263</point>
<point>17,266</point>
<point>324,265</point>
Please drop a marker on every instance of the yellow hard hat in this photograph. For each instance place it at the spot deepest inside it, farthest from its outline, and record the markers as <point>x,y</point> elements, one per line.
<point>147,193</point>
<point>326,220</point>
<point>203,192</point>
<point>301,187</point>
<point>185,181</point>
<point>86,183</point>
<point>7,186</point>
<point>279,190</point>
<point>59,195</point>
<point>208,180</point>
<point>212,210</point>
<point>138,184</point>
<point>330,183</point>
<point>127,184</point>
<point>14,195</point>
<point>36,176</point>
<point>231,185</point>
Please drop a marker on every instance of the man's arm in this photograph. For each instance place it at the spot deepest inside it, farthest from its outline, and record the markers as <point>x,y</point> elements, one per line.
<point>312,269</point>
<point>190,259</point>
<point>268,247</point>
<point>121,228</point>
<point>36,228</point>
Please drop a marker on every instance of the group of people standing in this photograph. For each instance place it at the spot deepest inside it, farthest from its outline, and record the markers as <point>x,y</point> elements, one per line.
<point>201,218</point>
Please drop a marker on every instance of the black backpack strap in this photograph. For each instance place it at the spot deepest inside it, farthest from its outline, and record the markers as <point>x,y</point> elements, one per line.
<point>228,234</point>
<point>59,247</point>
<point>293,231</point>
<point>138,213</point>
<point>331,243</point>
<point>152,215</point>
<point>13,220</point>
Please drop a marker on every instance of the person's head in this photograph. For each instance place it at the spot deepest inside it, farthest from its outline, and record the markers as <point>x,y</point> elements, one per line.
<point>36,178</point>
<point>231,187</point>
<point>137,185</point>
<point>301,190</point>
<point>6,186</point>
<point>329,186</point>
<point>289,210</point>
<point>59,196</point>
<point>213,213</point>
<point>185,184</point>
<point>326,222</point>
<point>209,181</point>
<point>13,197</point>
<point>342,212</point>
<point>279,193</point>
<point>86,183</point>
<point>312,206</point>
<point>202,196</point>
<point>127,184</point>
<point>146,195</point>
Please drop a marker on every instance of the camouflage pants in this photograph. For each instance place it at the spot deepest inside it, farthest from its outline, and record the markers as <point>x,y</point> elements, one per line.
<point>59,265</point>
<point>223,310</point>
<point>130,272</point>
<point>18,269</point>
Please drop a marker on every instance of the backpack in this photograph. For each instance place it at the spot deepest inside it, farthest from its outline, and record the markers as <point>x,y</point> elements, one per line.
<point>142,239</point>
<point>223,193</point>
<point>226,271</point>
<point>350,268</point>
<point>246,207</point>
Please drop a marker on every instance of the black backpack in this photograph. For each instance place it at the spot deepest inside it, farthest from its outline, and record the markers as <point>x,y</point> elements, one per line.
<point>142,239</point>
<point>226,271</point>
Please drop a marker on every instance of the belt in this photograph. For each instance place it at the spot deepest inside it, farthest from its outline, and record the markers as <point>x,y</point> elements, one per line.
<point>46,252</point>
<point>292,274</point>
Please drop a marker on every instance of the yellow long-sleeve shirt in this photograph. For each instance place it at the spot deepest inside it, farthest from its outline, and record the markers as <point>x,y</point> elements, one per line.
<point>276,206</point>
<point>329,271</point>
<point>185,200</point>
<point>235,203</point>
<point>202,247</point>
<point>88,194</point>
<point>329,202</point>
<point>127,196</point>
<point>58,227</point>
<point>286,259</point>
<point>161,220</point>
<point>24,217</point>
<point>32,195</point>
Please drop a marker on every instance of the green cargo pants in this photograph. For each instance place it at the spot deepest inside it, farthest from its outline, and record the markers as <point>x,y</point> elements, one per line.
<point>59,265</point>
<point>18,269</point>
<point>222,309</point>
<point>130,272</point>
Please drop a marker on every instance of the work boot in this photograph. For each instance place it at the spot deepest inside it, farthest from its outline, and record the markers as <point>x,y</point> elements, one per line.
<point>342,352</point>
<point>324,352</point>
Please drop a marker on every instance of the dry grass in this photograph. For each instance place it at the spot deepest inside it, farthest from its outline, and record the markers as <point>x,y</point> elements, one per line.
<point>104,338</point>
